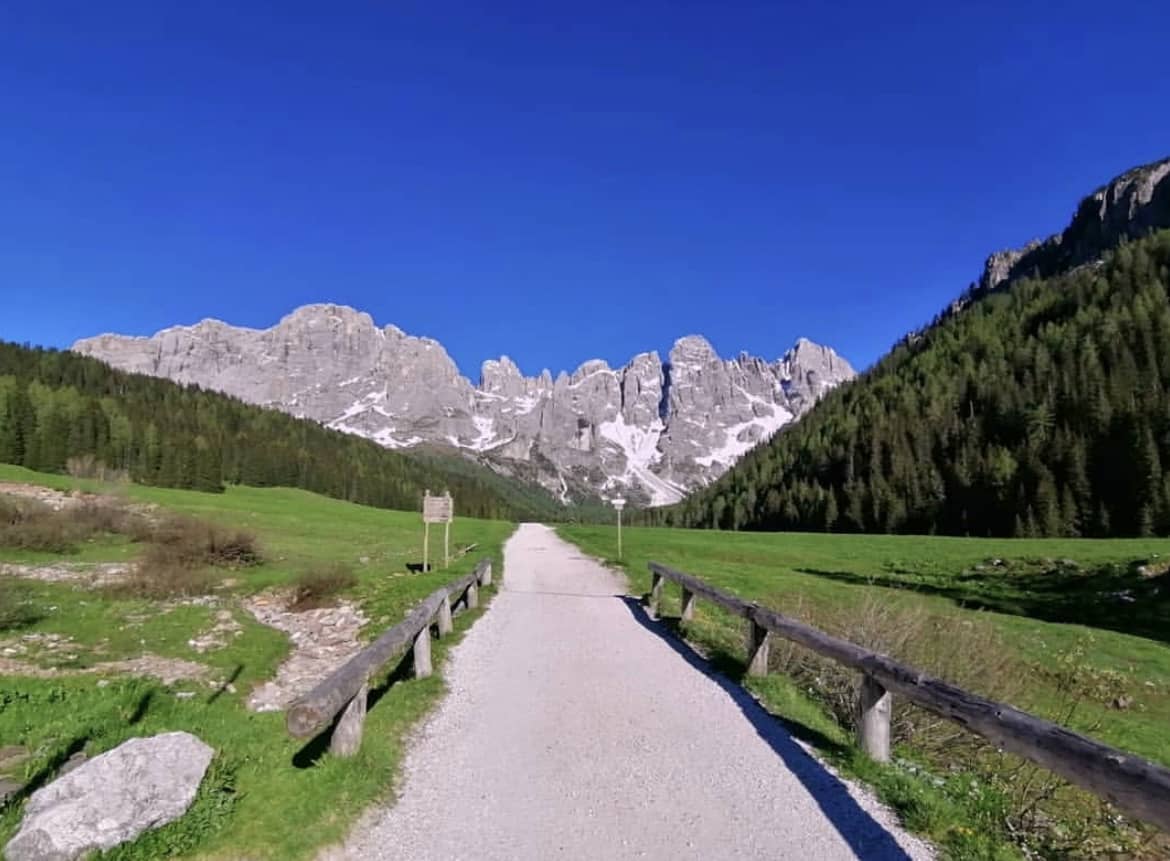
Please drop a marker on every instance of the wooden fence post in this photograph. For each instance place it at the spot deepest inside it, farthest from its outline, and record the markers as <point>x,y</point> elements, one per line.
<point>656,581</point>
<point>873,724</point>
<point>444,617</point>
<point>757,649</point>
<point>422,653</point>
<point>472,599</point>
<point>347,735</point>
<point>688,604</point>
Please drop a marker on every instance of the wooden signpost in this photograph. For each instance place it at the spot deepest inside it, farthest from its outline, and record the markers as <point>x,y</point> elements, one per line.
<point>437,509</point>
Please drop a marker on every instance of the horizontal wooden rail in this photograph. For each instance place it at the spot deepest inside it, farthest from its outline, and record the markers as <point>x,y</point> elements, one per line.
<point>1136,786</point>
<point>344,690</point>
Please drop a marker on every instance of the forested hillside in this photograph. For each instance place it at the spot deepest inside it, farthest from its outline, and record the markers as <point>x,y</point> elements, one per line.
<point>1042,409</point>
<point>58,407</point>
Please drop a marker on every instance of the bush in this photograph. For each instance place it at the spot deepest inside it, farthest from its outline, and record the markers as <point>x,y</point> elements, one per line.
<point>26,524</point>
<point>16,608</point>
<point>320,586</point>
<point>186,542</point>
<point>180,553</point>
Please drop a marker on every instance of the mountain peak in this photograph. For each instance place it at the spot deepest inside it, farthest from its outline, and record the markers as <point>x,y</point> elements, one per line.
<point>1129,206</point>
<point>640,430</point>
<point>692,348</point>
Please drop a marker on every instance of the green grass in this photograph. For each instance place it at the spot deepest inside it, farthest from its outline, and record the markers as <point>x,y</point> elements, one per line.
<point>267,795</point>
<point>1052,617</point>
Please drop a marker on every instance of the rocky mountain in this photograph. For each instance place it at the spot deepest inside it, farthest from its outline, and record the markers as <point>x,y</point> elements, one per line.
<point>1035,405</point>
<point>1130,206</point>
<point>651,430</point>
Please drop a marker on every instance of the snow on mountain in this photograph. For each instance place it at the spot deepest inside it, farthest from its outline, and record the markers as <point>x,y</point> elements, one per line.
<point>650,430</point>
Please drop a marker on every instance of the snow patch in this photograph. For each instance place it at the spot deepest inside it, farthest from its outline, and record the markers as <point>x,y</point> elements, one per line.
<point>641,450</point>
<point>487,433</point>
<point>734,448</point>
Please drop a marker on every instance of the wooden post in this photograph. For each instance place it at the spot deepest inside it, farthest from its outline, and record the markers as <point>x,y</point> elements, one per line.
<point>444,617</point>
<point>873,724</point>
<point>347,735</point>
<point>757,649</point>
<point>472,599</point>
<point>688,604</point>
<point>426,543</point>
<point>656,581</point>
<point>486,579</point>
<point>422,653</point>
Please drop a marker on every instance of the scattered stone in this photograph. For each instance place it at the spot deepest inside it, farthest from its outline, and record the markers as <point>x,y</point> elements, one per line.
<point>139,785</point>
<point>217,636</point>
<point>322,640</point>
<point>166,670</point>
<point>89,575</point>
<point>12,756</point>
<point>1122,702</point>
<point>9,788</point>
<point>54,499</point>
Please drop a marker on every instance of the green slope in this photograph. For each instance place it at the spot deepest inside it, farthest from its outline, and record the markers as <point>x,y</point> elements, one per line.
<point>1043,409</point>
<point>267,795</point>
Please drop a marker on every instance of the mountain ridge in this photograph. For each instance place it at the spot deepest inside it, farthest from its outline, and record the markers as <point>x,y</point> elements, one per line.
<point>1034,405</point>
<point>651,429</point>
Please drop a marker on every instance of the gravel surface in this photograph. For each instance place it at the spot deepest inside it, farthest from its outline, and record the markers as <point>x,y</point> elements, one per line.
<point>573,730</point>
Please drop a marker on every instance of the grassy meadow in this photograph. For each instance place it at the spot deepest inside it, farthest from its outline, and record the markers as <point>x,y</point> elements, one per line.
<point>267,795</point>
<point>1075,630</point>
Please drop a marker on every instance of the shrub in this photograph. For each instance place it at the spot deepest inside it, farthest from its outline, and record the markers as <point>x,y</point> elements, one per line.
<point>180,552</point>
<point>29,525</point>
<point>157,582</point>
<point>187,542</point>
<point>16,608</point>
<point>320,586</point>
<point>26,524</point>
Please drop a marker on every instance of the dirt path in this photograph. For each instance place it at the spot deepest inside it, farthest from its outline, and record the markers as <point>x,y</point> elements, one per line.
<point>574,730</point>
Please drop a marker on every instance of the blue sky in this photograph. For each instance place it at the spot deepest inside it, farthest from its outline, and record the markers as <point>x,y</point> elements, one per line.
<point>554,181</point>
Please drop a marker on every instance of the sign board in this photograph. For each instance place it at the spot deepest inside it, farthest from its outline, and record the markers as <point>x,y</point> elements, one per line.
<point>438,509</point>
<point>618,503</point>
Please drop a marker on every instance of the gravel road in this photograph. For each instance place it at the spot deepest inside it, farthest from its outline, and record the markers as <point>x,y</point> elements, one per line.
<point>573,730</point>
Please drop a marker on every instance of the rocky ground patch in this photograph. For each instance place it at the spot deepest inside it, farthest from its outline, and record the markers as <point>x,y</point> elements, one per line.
<point>322,640</point>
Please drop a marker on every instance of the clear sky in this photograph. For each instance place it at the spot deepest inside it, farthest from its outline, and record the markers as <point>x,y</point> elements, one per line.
<point>556,181</point>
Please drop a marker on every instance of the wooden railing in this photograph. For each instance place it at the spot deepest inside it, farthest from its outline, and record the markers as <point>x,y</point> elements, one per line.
<point>345,690</point>
<point>1136,786</point>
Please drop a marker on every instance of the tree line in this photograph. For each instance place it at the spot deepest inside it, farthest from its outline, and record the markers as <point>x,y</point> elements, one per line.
<point>57,407</point>
<point>1039,410</point>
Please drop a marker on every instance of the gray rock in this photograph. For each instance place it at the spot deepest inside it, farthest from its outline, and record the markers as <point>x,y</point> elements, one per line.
<point>648,430</point>
<point>141,784</point>
<point>1129,207</point>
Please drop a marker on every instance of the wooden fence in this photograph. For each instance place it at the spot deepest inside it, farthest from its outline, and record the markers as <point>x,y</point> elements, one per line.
<point>1136,786</point>
<point>346,689</point>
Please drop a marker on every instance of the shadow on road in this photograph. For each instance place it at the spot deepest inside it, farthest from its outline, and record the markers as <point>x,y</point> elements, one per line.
<point>865,835</point>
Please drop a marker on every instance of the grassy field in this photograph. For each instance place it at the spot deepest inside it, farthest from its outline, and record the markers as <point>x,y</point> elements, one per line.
<point>267,795</point>
<point>1075,630</point>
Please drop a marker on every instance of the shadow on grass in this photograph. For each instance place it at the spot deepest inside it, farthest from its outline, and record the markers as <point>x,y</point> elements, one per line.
<point>311,753</point>
<point>140,708</point>
<point>47,771</point>
<point>866,837</point>
<point>1112,598</point>
<point>227,683</point>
